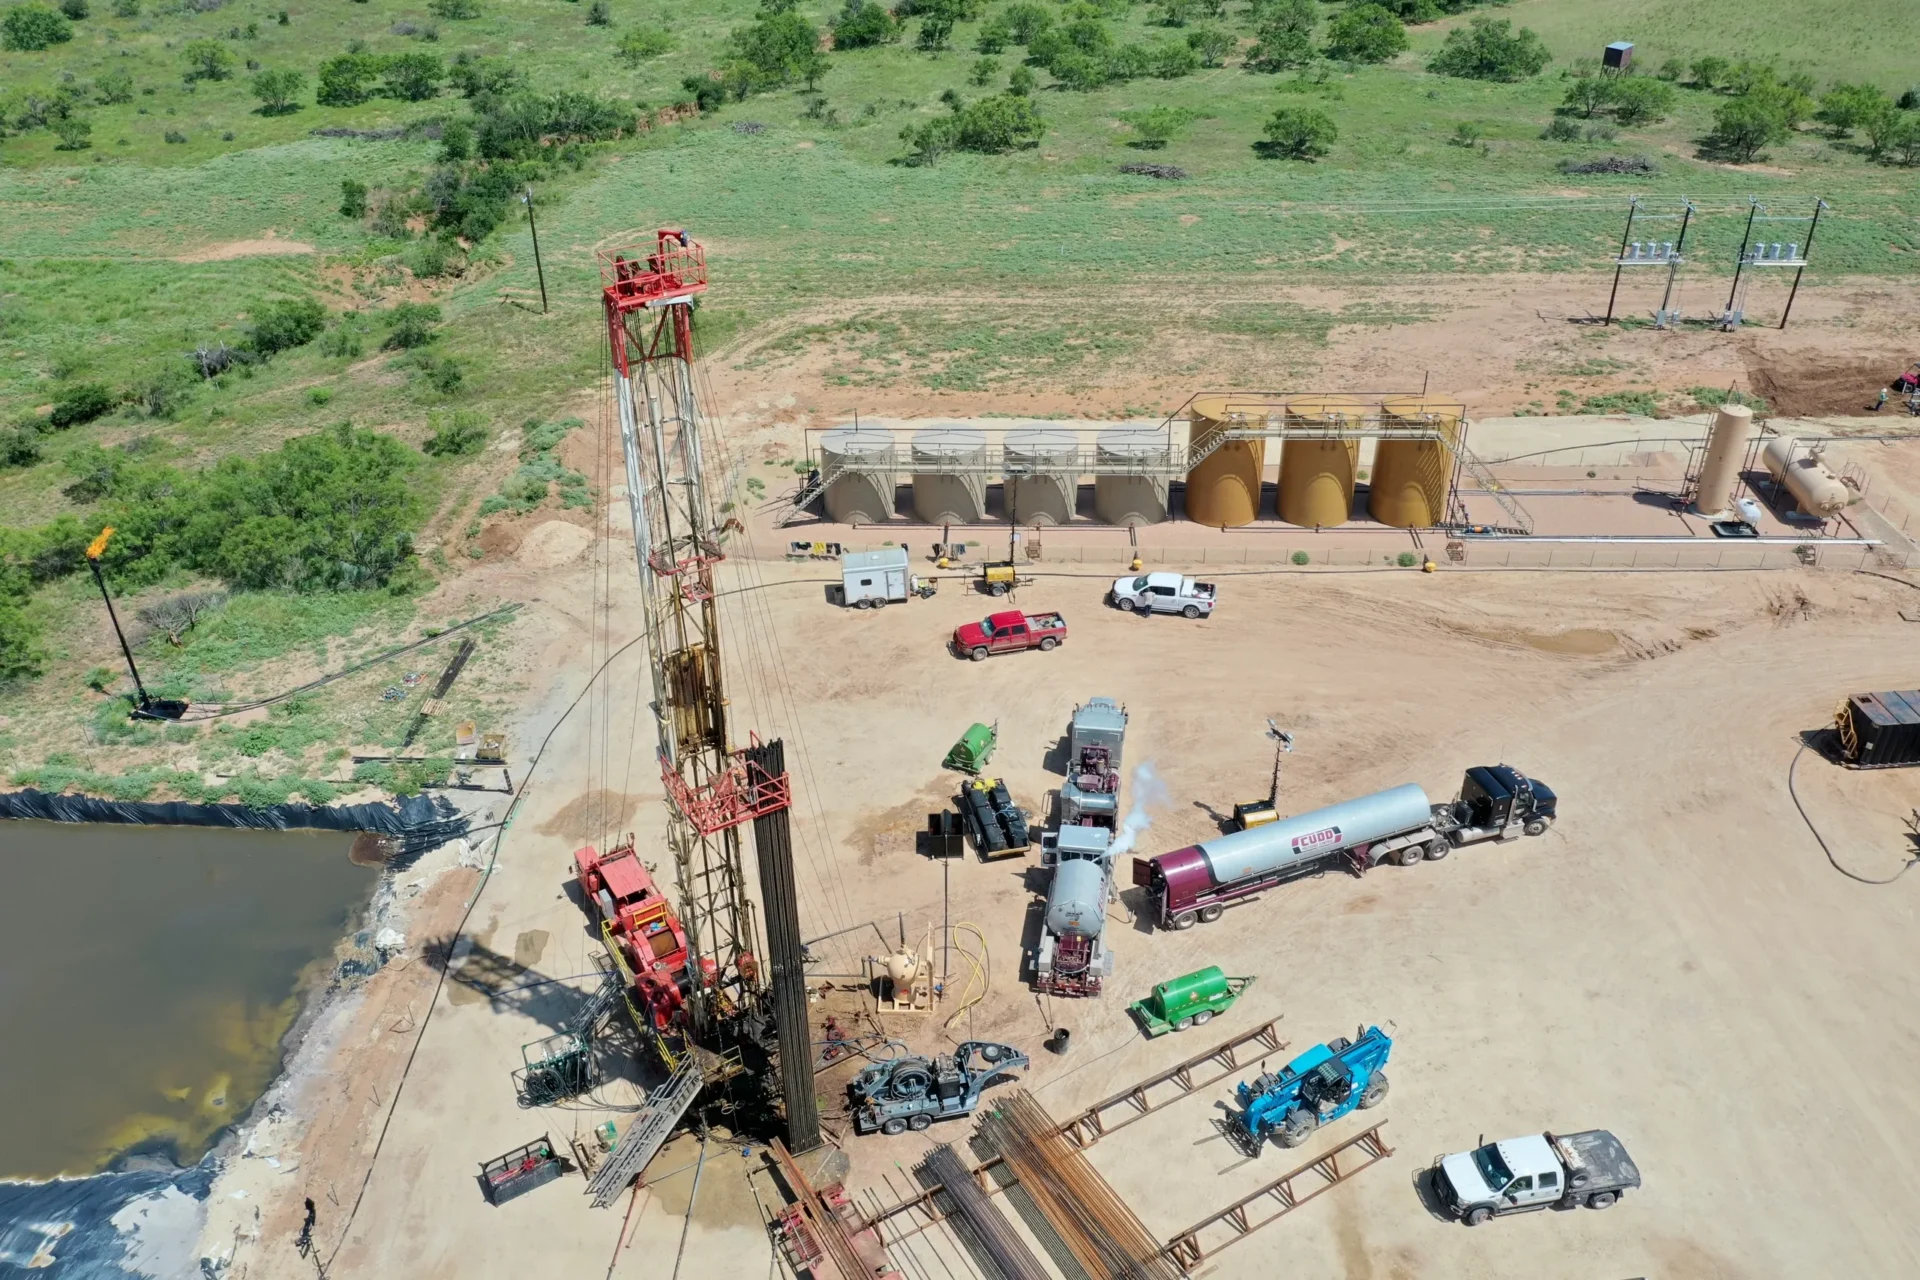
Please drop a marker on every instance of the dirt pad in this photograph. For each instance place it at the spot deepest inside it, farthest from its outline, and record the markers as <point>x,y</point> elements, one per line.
<point>231,249</point>
<point>1808,387</point>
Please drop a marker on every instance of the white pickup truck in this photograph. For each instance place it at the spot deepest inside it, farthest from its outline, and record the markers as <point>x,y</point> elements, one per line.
<point>1539,1171</point>
<point>1163,593</point>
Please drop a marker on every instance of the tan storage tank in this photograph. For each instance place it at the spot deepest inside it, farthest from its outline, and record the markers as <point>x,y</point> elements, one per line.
<point>1726,446</point>
<point>1799,467</point>
<point>1224,489</point>
<point>1408,485</point>
<point>949,486</point>
<point>1043,475</point>
<point>863,496</point>
<point>1137,498</point>
<point>1316,476</point>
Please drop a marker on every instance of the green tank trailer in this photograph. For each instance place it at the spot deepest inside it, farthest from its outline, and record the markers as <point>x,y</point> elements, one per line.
<point>1189,1001</point>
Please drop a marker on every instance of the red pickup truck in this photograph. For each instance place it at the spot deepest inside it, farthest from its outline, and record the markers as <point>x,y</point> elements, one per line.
<point>1009,633</point>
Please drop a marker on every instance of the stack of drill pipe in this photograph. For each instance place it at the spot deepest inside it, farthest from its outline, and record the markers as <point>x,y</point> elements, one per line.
<point>1104,1236</point>
<point>982,1219</point>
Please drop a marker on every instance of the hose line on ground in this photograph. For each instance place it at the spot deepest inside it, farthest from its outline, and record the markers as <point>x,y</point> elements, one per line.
<point>984,974</point>
<point>1793,768</point>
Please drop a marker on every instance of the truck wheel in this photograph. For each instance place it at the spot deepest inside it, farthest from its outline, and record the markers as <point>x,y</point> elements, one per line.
<point>1408,856</point>
<point>1191,611</point>
<point>1376,1090</point>
<point>1185,920</point>
<point>978,655</point>
<point>1183,1024</point>
<point>1438,849</point>
<point>1203,1017</point>
<point>1476,1216</point>
<point>879,602</point>
<point>1299,1126</point>
<point>1209,914</point>
<point>863,604</point>
<point>893,1126</point>
<point>919,1122</point>
<point>1048,644</point>
<point>1601,1200</point>
<point>1535,827</point>
<point>997,589</point>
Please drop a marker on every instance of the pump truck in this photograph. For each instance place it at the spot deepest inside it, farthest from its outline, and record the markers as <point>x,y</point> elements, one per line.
<point>1316,1088</point>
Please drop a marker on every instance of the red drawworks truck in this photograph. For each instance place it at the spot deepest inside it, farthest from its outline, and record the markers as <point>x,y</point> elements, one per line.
<point>1009,633</point>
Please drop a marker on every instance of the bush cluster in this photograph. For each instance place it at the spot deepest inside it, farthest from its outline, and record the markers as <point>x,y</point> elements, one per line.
<point>1003,122</point>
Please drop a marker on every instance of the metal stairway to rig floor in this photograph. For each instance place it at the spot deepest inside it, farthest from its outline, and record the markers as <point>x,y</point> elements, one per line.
<point>646,1135</point>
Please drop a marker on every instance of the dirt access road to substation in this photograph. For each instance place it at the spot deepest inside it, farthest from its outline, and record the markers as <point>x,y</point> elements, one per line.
<point>1675,961</point>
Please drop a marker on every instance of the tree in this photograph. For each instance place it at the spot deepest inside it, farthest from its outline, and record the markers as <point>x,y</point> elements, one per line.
<point>281,326</point>
<point>775,49</point>
<point>347,79</point>
<point>1286,35</point>
<point>411,77</point>
<point>21,657</point>
<point>935,29</point>
<point>1366,33</point>
<point>637,44</point>
<point>1212,44</point>
<point>1299,133</point>
<point>206,60</point>
<point>1025,21</point>
<point>1021,82</point>
<point>1004,122</point>
<point>1742,127</point>
<point>1846,107</point>
<point>599,14</point>
<point>993,37</point>
<point>985,71</point>
<point>1129,62</point>
<point>77,10</point>
<point>1490,49</point>
<point>1786,99</point>
<point>1171,60</point>
<point>277,91</point>
<point>1417,11</point>
<point>1586,94</point>
<point>1903,142</point>
<point>1711,71</point>
<point>1641,100</point>
<point>929,141</point>
<point>30,27</point>
<point>863,24</point>
<point>1154,127</point>
<point>1883,129</point>
<point>1079,71</point>
<point>75,132</point>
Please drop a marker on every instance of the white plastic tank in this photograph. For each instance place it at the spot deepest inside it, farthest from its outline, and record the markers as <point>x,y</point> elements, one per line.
<point>857,466</point>
<point>1043,477</point>
<point>1340,826</point>
<point>1799,466</point>
<point>1138,496</point>
<point>949,486</point>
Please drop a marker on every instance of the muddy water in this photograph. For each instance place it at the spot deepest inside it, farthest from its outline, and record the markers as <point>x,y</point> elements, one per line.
<point>147,975</point>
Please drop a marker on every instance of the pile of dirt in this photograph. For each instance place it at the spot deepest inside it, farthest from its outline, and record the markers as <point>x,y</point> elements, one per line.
<point>1809,385</point>
<point>1166,171</point>
<point>550,545</point>
<point>1611,164</point>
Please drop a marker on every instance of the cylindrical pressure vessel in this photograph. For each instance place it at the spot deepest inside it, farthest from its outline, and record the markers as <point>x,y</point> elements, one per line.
<point>1798,466</point>
<point>1223,490</point>
<point>1077,899</point>
<point>1726,446</point>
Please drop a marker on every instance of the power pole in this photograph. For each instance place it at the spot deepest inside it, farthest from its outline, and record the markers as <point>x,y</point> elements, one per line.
<point>534,230</point>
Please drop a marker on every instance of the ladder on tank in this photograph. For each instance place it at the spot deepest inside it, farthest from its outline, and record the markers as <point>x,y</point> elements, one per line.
<point>646,1135</point>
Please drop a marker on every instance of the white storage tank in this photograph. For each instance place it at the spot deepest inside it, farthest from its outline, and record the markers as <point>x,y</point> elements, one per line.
<point>949,486</point>
<point>857,467</point>
<point>1798,465</point>
<point>1043,475</point>
<point>1341,826</point>
<point>1136,497</point>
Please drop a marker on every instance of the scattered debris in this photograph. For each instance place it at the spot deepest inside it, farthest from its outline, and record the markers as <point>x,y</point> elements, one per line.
<point>412,133</point>
<point>1171,173</point>
<point>389,942</point>
<point>748,126</point>
<point>1611,164</point>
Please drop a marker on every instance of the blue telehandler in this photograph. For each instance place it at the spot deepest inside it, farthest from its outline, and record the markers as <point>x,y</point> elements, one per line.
<point>1319,1086</point>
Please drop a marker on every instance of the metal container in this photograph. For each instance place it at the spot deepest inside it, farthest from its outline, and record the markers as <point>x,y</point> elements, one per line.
<point>949,486</point>
<point>1099,722</point>
<point>1043,478</point>
<point>1880,730</point>
<point>1408,486</point>
<point>1798,465</point>
<point>1224,489</point>
<point>857,467</point>
<point>1316,476</point>
<point>1726,446</point>
<point>1308,835</point>
<point>1137,498</point>
<point>1077,902</point>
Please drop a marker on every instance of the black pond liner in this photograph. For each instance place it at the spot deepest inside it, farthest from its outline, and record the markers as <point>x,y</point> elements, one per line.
<point>33,1213</point>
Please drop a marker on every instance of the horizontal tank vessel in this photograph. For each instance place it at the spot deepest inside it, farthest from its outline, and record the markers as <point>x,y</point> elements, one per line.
<point>1342,826</point>
<point>1137,498</point>
<point>1317,475</point>
<point>1223,489</point>
<point>1043,475</point>
<point>857,468</point>
<point>1408,486</point>
<point>949,485</point>
<point>1799,467</point>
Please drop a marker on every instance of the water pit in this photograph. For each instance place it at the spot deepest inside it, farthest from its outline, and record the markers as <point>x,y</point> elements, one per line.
<point>147,976</point>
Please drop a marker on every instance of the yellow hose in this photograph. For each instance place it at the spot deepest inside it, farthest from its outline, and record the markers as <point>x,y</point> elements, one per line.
<point>978,971</point>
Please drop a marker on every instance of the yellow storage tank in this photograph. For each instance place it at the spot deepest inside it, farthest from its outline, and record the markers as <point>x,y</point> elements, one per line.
<point>1408,486</point>
<point>1224,490</point>
<point>1316,476</point>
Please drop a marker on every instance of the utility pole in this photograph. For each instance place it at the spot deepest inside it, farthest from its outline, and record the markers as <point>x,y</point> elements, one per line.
<point>534,230</point>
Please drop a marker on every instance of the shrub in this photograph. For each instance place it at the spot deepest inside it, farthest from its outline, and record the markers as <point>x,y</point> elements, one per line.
<point>126,8</point>
<point>176,615</point>
<point>640,43</point>
<point>1299,133</point>
<point>863,24</point>
<point>1021,82</point>
<point>21,657</point>
<point>411,77</point>
<point>1900,139</point>
<point>284,325</point>
<point>1561,129</point>
<point>1466,134</point>
<point>1156,126</point>
<point>1846,107</point>
<point>277,91</point>
<point>1025,21</point>
<point>1366,33</point>
<point>993,37</point>
<point>1212,44</point>
<point>19,446</point>
<point>484,77</point>
<point>81,403</point>
<point>985,71</point>
<point>1300,557</point>
<point>1490,49</point>
<point>1406,560</point>
<point>206,60</point>
<point>454,10</point>
<point>777,49</point>
<point>347,79</point>
<point>1588,93</point>
<point>113,88</point>
<point>410,325</point>
<point>1711,71</point>
<point>1286,35</point>
<point>75,133</point>
<point>928,141</point>
<point>30,27</point>
<point>1639,100</point>
<point>1743,127</point>
<point>1003,122</point>
<point>599,14</point>
<point>456,435</point>
<point>1171,60</point>
<point>432,258</point>
<point>1672,70</point>
<point>75,9</point>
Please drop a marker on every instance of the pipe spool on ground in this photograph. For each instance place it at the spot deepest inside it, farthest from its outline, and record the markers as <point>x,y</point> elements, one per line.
<point>1316,476</point>
<point>1726,446</point>
<point>1797,464</point>
<point>1130,499</point>
<point>1047,489</point>
<point>1408,485</point>
<point>857,496</point>
<point>948,488</point>
<point>1224,489</point>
